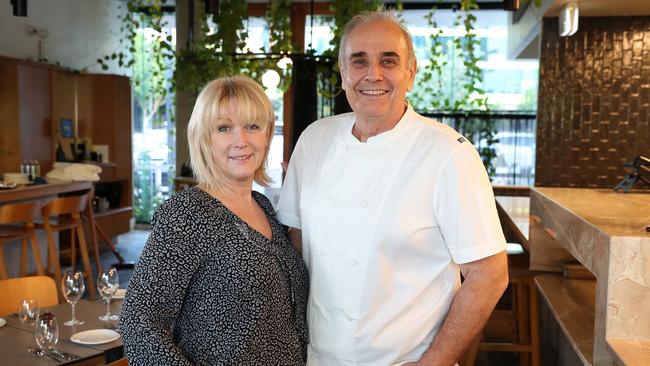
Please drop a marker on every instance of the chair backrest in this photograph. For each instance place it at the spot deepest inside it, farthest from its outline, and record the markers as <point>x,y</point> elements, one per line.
<point>19,212</point>
<point>66,205</point>
<point>14,290</point>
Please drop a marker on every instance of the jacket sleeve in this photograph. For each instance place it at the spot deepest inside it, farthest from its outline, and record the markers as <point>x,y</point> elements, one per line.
<point>157,289</point>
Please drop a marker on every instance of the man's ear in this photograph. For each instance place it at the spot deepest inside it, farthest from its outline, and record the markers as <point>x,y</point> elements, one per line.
<point>413,69</point>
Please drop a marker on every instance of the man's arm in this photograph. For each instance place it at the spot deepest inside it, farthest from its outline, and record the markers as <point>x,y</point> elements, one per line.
<point>295,236</point>
<point>485,281</point>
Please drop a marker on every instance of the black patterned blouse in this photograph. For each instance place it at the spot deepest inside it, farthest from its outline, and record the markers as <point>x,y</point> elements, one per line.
<point>211,290</point>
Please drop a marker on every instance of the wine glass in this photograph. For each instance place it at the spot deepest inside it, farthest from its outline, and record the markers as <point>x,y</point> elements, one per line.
<point>107,284</point>
<point>28,311</point>
<point>73,286</point>
<point>46,332</point>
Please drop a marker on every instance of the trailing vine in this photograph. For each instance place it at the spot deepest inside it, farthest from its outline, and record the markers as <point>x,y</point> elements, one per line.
<point>445,89</point>
<point>224,52</point>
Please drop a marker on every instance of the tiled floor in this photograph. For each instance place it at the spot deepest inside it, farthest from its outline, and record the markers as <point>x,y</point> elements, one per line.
<point>130,246</point>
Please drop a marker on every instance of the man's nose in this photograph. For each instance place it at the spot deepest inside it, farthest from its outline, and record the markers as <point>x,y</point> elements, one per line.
<point>374,72</point>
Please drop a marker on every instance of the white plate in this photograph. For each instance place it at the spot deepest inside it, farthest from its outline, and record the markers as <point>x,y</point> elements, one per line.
<point>2,322</point>
<point>119,294</point>
<point>95,336</point>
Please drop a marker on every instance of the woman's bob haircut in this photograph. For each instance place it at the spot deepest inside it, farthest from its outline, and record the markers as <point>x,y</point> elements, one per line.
<point>251,104</point>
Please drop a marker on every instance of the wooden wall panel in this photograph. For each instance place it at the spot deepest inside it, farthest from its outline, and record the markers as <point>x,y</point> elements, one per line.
<point>63,94</point>
<point>34,115</point>
<point>9,130</point>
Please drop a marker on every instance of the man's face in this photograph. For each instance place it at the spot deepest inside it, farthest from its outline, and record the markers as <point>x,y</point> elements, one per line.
<point>376,73</point>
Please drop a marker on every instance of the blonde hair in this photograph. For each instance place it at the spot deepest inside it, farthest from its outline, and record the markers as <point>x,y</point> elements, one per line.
<point>211,105</point>
<point>375,16</point>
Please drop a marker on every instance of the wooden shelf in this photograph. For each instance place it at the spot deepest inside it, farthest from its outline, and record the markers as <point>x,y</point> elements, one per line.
<point>573,304</point>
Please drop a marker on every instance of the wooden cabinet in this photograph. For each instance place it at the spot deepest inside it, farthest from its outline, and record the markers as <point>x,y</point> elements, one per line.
<point>33,99</point>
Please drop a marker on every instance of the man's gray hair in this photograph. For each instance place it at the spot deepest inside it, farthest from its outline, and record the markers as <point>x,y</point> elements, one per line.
<point>373,16</point>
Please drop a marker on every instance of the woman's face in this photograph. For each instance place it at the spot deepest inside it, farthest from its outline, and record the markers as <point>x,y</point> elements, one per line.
<point>239,147</point>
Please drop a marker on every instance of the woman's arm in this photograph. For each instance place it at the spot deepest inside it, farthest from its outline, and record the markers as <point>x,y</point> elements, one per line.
<point>157,289</point>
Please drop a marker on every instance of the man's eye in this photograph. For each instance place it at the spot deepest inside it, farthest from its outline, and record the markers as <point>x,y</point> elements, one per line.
<point>359,61</point>
<point>389,61</point>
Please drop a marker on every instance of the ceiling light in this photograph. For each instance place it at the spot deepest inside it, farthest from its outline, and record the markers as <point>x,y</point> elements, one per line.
<point>568,20</point>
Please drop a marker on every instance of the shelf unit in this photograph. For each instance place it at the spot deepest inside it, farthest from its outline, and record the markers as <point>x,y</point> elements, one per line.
<point>33,99</point>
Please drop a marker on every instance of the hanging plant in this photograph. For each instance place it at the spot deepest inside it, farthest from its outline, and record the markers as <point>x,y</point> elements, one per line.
<point>451,82</point>
<point>224,52</point>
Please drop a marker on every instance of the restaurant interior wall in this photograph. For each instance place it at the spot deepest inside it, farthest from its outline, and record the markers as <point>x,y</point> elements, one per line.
<point>594,101</point>
<point>73,33</point>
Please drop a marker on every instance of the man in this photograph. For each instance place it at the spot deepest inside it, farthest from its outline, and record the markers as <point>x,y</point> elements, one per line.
<point>387,208</point>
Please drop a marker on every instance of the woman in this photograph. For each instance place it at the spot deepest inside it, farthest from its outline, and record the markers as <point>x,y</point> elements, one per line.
<point>218,283</point>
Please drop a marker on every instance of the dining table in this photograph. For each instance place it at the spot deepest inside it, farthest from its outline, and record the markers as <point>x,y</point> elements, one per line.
<point>17,337</point>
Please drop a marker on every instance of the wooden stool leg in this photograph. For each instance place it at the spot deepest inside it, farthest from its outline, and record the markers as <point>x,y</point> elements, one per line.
<point>36,253</point>
<point>23,257</point>
<point>522,320</point>
<point>534,329</point>
<point>85,258</point>
<point>73,249</point>
<point>3,268</point>
<point>53,259</point>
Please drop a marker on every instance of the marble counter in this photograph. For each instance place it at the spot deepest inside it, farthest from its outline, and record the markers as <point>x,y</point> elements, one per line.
<point>605,231</point>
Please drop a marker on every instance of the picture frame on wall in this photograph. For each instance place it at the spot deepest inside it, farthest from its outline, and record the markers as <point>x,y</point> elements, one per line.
<point>66,128</point>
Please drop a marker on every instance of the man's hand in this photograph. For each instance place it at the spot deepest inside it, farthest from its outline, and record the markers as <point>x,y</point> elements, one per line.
<point>485,281</point>
<point>295,237</point>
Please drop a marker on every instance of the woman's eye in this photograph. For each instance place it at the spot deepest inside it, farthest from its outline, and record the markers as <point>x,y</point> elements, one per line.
<point>253,126</point>
<point>223,128</point>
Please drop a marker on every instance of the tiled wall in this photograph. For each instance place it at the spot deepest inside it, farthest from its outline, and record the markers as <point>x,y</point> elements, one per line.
<point>594,101</point>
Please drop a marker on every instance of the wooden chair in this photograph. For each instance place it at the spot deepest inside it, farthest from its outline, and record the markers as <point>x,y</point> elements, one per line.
<point>68,212</point>
<point>17,222</point>
<point>516,327</point>
<point>14,290</point>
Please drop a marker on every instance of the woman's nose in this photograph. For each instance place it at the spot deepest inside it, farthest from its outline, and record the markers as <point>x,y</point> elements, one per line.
<point>240,138</point>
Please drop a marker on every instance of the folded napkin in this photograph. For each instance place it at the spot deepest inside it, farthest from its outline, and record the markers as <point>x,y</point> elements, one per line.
<point>74,172</point>
<point>17,178</point>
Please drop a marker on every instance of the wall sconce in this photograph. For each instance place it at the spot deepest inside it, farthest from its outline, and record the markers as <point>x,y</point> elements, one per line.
<point>20,7</point>
<point>568,20</point>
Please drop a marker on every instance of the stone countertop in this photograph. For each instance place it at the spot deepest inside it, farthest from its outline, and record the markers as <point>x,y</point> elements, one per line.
<point>613,213</point>
<point>605,231</point>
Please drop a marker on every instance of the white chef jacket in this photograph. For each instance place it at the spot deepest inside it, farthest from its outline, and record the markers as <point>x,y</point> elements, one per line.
<point>384,226</point>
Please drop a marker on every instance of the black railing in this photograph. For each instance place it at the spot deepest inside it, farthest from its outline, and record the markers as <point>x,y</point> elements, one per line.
<point>515,150</point>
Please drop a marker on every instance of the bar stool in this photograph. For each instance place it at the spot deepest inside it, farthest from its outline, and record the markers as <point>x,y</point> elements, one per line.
<point>17,222</point>
<point>68,211</point>
<point>519,321</point>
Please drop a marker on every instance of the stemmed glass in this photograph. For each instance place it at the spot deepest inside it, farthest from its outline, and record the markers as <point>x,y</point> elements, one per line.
<point>28,311</point>
<point>47,332</point>
<point>107,284</point>
<point>73,286</point>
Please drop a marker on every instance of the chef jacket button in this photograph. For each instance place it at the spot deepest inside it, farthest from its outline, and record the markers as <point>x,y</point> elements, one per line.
<point>364,204</point>
<point>329,196</point>
<point>354,261</point>
<point>322,253</point>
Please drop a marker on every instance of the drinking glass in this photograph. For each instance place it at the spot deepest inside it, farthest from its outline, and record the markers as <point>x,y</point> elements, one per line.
<point>107,284</point>
<point>47,332</point>
<point>73,286</point>
<point>28,311</point>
